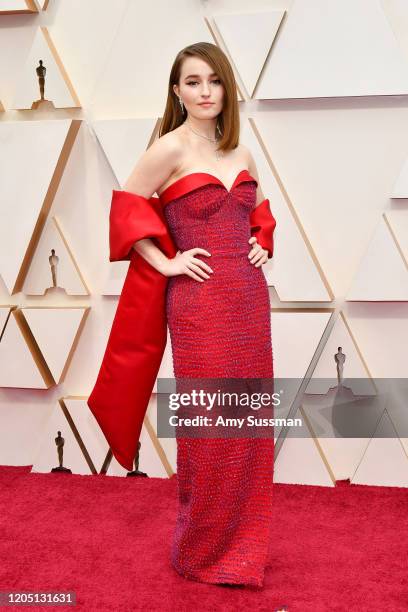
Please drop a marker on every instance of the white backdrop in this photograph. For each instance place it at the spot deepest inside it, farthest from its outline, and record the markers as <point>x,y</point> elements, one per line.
<point>323,96</point>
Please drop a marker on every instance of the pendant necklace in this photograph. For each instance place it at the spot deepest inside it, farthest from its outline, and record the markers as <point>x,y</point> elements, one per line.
<point>218,154</point>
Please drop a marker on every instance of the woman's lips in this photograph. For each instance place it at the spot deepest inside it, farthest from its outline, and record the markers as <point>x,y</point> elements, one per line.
<point>206,104</point>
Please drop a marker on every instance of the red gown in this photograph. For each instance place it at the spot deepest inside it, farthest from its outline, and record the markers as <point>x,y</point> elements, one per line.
<point>218,328</point>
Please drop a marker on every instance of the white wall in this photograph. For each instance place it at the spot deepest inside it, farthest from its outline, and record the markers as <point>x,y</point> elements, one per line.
<point>327,124</point>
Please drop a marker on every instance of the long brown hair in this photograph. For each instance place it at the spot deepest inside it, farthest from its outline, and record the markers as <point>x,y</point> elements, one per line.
<point>228,119</point>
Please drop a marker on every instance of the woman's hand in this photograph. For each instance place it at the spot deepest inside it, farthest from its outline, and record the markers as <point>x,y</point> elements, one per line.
<point>257,255</point>
<point>187,263</point>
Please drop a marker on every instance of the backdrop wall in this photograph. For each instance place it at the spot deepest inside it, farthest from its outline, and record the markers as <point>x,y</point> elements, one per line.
<point>323,97</point>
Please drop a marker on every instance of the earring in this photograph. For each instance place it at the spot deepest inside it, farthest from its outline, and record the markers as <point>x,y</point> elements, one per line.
<point>181,104</point>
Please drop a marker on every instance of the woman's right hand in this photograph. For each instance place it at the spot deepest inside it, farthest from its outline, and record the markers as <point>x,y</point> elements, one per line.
<point>187,263</point>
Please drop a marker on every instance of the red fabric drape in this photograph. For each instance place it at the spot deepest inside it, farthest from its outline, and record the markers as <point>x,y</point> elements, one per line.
<point>263,225</point>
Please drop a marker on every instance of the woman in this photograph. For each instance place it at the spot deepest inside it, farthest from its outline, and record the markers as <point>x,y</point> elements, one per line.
<point>196,254</point>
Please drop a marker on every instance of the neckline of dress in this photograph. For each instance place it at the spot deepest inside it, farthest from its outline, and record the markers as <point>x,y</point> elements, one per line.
<point>191,175</point>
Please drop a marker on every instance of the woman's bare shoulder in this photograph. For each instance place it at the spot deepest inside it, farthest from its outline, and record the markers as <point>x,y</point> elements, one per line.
<point>170,143</point>
<point>244,151</point>
<point>155,165</point>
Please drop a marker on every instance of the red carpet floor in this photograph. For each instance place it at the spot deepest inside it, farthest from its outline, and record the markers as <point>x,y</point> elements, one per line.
<point>108,538</point>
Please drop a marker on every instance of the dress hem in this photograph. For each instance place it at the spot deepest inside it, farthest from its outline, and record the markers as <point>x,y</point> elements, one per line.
<point>219,579</point>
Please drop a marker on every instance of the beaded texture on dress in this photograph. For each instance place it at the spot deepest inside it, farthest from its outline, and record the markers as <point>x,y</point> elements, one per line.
<point>221,328</point>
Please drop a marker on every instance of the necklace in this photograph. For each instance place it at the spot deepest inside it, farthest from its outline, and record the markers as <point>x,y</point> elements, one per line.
<point>218,154</point>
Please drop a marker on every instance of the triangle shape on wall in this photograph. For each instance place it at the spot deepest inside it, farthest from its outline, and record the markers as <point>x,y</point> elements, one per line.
<point>21,363</point>
<point>58,89</point>
<point>248,38</point>
<point>299,462</point>
<point>384,462</point>
<point>382,275</point>
<point>300,281</point>
<point>56,331</point>
<point>311,58</point>
<point>124,141</point>
<point>34,159</point>
<point>325,372</point>
<point>44,277</point>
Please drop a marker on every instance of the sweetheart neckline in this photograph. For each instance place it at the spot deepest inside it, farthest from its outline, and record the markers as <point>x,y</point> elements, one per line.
<point>212,176</point>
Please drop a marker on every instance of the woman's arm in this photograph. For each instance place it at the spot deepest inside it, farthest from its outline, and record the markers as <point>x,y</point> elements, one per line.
<point>151,171</point>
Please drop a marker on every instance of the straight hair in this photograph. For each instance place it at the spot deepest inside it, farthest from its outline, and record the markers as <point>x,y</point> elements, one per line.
<point>228,118</point>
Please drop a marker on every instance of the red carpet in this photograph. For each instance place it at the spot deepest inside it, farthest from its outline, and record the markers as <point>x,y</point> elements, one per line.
<point>107,539</point>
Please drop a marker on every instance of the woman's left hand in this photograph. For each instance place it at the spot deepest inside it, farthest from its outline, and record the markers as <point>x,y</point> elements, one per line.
<point>257,255</point>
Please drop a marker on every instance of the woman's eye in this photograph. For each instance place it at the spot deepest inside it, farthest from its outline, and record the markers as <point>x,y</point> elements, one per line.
<point>214,81</point>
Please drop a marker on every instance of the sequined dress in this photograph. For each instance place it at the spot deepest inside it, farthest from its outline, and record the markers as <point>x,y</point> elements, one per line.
<point>220,328</point>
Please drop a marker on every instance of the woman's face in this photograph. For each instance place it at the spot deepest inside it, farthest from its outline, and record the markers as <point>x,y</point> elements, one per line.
<point>198,84</point>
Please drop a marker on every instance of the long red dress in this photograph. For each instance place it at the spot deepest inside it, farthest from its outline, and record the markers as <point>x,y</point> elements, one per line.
<point>220,328</point>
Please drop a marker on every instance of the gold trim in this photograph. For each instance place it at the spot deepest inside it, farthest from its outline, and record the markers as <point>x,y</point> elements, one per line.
<point>70,253</point>
<point>48,201</point>
<point>86,310</point>
<point>33,347</point>
<point>31,8</point>
<point>317,443</point>
<point>360,354</point>
<point>77,435</point>
<point>273,43</point>
<point>60,65</point>
<point>158,447</point>
<point>3,329</point>
<point>394,237</point>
